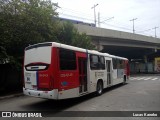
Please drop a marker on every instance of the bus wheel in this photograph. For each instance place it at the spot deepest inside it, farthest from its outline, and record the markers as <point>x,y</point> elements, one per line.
<point>99,88</point>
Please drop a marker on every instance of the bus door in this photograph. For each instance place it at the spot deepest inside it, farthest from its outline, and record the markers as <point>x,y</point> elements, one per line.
<point>108,66</point>
<point>82,63</point>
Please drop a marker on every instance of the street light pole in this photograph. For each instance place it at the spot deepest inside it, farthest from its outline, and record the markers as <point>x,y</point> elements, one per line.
<point>133,23</point>
<point>155,31</point>
<point>95,21</point>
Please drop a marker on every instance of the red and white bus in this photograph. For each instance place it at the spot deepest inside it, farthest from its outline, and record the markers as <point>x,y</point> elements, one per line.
<point>57,71</point>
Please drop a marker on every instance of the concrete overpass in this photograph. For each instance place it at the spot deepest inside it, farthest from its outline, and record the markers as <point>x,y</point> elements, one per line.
<point>139,49</point>
<point>132,46</point>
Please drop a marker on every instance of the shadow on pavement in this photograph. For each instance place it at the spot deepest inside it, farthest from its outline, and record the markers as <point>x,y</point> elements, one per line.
<point>55,106</point>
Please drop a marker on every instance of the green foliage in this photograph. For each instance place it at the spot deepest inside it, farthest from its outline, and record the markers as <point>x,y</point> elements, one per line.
<point>68,34</point>
<point>24,22</point>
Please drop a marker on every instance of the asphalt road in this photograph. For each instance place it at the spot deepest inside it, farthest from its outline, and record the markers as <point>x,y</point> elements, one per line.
<point>142,93</point>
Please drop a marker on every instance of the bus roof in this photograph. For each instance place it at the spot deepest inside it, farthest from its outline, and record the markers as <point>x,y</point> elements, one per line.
<point>55,44</point>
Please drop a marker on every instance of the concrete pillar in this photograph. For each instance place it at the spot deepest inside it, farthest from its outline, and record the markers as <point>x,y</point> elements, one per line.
<point>146,64</point>
<point>99,47</point>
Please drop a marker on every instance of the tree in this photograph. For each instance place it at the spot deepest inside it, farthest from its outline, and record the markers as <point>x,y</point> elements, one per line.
<point>68,34</point>
<point>23,23</point>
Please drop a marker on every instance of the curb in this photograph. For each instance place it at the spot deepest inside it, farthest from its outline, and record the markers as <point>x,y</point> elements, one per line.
<point>11,96</point>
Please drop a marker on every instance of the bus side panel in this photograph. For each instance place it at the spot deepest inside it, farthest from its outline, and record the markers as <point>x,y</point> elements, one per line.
<point>66,79</point>
<point>69,79</point>
<point>55,71</point>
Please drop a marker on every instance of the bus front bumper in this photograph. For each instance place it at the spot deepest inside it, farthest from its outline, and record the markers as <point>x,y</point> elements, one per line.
<point>53,94</point>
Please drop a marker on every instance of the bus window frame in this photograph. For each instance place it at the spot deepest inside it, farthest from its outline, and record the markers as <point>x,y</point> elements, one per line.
<point>71,62</point>
<point>98,65</point>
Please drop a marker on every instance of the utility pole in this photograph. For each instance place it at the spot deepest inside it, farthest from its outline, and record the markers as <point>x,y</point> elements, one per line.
<point>133,23</point>
<point>155,31</point>
<point>95,21</point>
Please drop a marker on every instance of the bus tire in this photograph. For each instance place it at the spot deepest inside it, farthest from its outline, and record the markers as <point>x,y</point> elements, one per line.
<point>99,90</point>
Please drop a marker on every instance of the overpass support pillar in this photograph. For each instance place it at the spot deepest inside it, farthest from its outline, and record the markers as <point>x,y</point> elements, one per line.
<point>99,47</point>
<point>146,64</point>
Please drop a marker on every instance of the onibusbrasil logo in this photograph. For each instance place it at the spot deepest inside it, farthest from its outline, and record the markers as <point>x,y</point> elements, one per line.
<point>21,114</point>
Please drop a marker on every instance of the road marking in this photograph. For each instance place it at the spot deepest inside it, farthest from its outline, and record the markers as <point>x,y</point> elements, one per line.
<point>133,78</point>
<point>144,78</point>
<point>147,78</point>
<point>154,79</point>
<point>141,78</point>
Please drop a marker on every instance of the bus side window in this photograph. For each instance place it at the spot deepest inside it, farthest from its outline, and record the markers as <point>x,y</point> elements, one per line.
<point>94,62</point>
<point>102,63</point>
<point>114,63</point>
<point>120,64</point>
<point>67,59</point>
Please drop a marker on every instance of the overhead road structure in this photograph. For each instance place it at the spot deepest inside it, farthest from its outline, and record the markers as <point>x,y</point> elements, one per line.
<point>139,49</point>
<point>119,42</point>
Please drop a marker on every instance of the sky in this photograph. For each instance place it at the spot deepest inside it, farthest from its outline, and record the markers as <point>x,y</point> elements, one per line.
<point>115,14</point>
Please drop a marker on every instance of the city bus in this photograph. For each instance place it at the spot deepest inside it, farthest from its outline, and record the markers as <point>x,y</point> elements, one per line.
<point>58,71</point>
